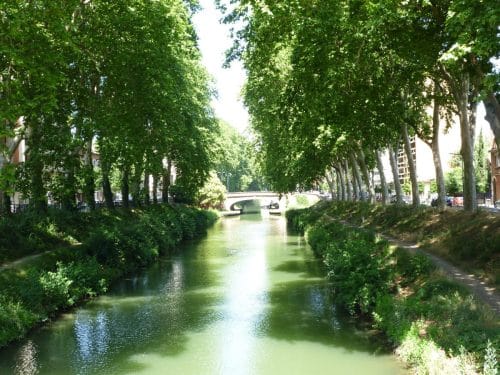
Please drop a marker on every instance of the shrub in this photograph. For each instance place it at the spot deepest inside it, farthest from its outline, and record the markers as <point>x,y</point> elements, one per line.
<point>55,287</point>
<point>412,267</point>
<point>359,272</point>
<point>15,319</point>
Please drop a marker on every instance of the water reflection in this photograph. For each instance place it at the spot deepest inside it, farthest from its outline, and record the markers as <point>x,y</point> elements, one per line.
<point>92,336</point>
<point>26,363</point>
<point>244,305</point>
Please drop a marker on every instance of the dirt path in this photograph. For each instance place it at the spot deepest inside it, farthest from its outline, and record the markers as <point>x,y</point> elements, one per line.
<point>23,261</point>
<point>478,288</point>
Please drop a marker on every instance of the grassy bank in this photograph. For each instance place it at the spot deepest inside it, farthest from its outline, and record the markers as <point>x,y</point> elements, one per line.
<point>435,324</point>
<point>471,241</point>
<point>100,247</point>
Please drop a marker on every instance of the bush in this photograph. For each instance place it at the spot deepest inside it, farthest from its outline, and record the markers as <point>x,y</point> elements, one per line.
<point>15,319</point>
<point>359,272</point>
<point>358,264</point>
<point>412,267</point>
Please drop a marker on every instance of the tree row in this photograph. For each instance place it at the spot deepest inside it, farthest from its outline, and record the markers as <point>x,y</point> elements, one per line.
<point>98,91</point>
<point>334,84</point>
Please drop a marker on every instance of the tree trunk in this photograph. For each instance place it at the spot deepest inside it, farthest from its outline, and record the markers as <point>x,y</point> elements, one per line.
<point>2,204</point>
<point>355,187</point>
<point>493,116</point>
<point>136,186</point>
<point>395,174</point>
<point>155,189</point>
<point>125,188</point>
<point>38,192</point>
<point>383,182</point>
<point>357,175</point>
<point>340,175</point>
<point>7,202</point>
<point>460,88</point>
<point>106,184</point>
<point>411,166</point>
<point>166,182</point>
<point>330,181</point>
<point>347,180</point>
<point>467,149</point>
<point>366,175</point>
<point>89,177</point>
<point>436,155</point>
<point>147,200</point>
<point>69,198</point>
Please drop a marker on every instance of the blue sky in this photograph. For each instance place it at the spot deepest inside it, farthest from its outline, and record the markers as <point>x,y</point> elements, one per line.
<point>214,40</point>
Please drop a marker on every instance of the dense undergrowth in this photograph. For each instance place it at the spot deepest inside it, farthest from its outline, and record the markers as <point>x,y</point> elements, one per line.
<point>101,247</point>
<point>435,324</point>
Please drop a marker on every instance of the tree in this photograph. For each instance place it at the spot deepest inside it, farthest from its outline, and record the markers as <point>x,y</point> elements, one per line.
<point>118,81</point>
<point>481,164</point>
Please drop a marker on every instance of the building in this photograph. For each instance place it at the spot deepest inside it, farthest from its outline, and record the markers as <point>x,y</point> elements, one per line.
<point>495,174</point>
<point>449,144</point>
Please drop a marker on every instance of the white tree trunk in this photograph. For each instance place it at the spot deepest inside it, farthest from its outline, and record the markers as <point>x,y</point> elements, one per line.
<point>395,174</point>
<point>436,155</point>
<point>366,175</point>
<point>383,182</point>
<point>347,180</point>
<point>411,166</point>
<point>357,175</point>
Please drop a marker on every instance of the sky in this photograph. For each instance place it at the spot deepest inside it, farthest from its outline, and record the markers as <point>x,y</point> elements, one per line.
<point>214,40</point>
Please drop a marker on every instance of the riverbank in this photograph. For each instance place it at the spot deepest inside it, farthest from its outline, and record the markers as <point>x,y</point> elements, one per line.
<point>471,241</point>
<point>436,326</point>
<point>92,251</point>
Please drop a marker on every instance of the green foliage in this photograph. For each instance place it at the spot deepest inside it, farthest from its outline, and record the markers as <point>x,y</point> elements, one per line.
<point>299,219</point>
<point>481,165</point>
<point>412,267</point>
<point>183,194</point>
<point>435,323</point>
<point>357,264</point>
<point>15,319</point>
<point>212,194</point>
<point>406,187</point>
<point>235,162</point>
<point>67,93</point>
<point>302,200</point>
<point>441,312</point>
<point>454,177</point>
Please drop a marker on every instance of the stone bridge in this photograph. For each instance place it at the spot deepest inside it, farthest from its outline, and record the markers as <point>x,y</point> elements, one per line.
<point>265,198</point>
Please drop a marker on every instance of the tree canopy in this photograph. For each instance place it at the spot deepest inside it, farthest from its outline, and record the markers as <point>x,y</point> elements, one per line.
<point>120,82</point>
<point>332,83</point>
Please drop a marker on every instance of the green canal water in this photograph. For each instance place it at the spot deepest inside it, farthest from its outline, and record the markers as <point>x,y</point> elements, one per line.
<point>247,299</point>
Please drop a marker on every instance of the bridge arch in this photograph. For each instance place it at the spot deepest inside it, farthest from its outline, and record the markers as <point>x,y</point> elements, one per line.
<point>265,198</point>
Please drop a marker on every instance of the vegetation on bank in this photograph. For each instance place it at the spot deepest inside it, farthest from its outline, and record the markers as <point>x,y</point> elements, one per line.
<point>435,324</point>
<point>105,245</point>
<point>469,240</point>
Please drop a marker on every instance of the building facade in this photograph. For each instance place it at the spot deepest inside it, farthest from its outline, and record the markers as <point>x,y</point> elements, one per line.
<point>495,175</point>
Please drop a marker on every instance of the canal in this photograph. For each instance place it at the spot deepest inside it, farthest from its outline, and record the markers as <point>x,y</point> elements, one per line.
<point>247,299</point>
